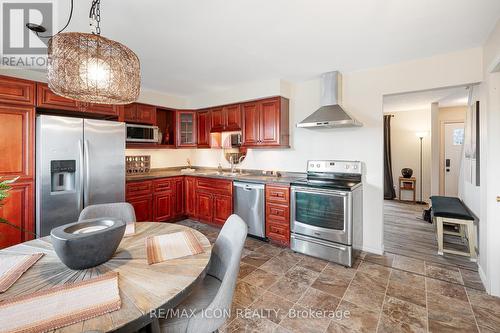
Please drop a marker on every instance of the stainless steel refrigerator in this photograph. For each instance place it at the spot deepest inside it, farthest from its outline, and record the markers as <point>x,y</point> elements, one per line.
<point>79,162</point>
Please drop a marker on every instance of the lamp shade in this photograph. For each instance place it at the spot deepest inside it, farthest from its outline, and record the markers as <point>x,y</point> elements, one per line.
<point>91,68</point>
<point>421,134</point>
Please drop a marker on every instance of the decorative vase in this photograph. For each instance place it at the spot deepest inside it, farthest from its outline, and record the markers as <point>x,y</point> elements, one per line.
<point>407,172</point>
<point>88,243</point>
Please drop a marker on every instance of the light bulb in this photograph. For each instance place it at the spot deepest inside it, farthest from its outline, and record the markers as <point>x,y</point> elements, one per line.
<point>96,72</point>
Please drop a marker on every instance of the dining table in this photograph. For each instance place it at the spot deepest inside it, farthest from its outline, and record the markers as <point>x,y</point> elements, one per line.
<point>143,288</point>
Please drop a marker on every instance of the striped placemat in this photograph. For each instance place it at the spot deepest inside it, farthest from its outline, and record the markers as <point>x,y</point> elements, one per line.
<point>12,266</point>
<point>172,246</point>
<point>61,306</point>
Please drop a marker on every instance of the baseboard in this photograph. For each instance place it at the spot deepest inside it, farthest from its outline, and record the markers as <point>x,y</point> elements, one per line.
<point>482,275</point>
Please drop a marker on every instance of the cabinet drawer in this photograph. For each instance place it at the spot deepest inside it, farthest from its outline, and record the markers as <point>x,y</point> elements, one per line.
<point>139,188</point>
<point>278,213</point>
<point>278,194</point>
<point>215,185</point>
<point>278,232</point>
<point>162,185</point>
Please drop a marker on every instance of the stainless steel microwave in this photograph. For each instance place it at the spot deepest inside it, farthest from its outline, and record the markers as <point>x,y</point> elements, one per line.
<point>142,133</point>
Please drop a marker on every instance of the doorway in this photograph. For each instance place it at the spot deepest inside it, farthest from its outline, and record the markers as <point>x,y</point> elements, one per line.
<point>453,142</point>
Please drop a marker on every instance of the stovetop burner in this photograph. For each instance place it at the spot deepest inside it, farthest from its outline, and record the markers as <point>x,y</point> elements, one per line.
<point>339,184</point>
<point>339,175</point>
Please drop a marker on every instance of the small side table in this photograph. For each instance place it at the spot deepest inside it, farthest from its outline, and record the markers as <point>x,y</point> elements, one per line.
<point>408,184</point>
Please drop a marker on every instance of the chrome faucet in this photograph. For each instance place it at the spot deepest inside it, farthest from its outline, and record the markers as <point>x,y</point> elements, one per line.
<point>231,160</point>
<point>242,157</point>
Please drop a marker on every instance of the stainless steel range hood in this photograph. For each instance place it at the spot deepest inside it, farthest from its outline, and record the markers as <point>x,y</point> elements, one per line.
<point>330,114</point>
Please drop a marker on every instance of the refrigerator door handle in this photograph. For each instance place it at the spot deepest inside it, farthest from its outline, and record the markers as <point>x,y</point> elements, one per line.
<point>80,195</point>
<point>86,190</point>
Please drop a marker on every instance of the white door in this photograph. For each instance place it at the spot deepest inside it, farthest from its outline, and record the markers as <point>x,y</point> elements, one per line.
<point>453,143</point>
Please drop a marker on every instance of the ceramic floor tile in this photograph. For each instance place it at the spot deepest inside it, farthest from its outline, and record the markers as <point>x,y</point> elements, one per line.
<point>405,312</point>
<point>253,244</point>
<point>447,289</point>
<point>339,270</point>
<point>407,278</point>
<point>255,259</point>
<point>268,249</point>
<point>277,266</point>
<point>486,308</point>
<point>375,270</point>
<point>290,289</point>
<point>301,320</point>
<point>364,296</point>
<point>273,307</point>
<point>407,293</point>
<point>251,325</point>
<point>313,264</point>
<point>388,325</point>
<point>446,314</point>
<point>449,273</point>
<point>245,269</point>
<point>385,260</point>
<point>246,294</point>
<point>355,319</point>
<point>376,284</point>
<point>302,275</point>
<point>472,279</point>
<point>409,264</point>
<point>317,300</point>
<point>261,278</point>
<point>331,284</point>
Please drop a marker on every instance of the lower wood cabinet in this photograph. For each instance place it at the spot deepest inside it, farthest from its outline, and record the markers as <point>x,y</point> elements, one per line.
<point>222,208</point>
<point>143,206</point>
<point>17,209</point>
<point>163,206</point>
<point>204,206</point>
<point>189,196</point>
<point>278,213</point>
<point>214,200</point>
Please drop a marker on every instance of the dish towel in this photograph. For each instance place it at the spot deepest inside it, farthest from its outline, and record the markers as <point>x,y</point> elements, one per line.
<point>172,246</point>
<point>61,306</point>
<point>12,266</point>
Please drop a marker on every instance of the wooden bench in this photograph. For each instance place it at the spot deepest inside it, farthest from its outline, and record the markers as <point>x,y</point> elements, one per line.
<point>449,210</point>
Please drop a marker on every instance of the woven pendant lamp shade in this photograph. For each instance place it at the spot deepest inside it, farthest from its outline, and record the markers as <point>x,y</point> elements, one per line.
<point>90,68</point>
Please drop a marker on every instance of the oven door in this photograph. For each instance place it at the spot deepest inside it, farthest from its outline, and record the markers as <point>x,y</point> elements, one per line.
<point>323,214</point>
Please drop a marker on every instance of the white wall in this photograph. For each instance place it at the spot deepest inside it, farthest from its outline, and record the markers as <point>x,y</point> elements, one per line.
<point>405,147</point>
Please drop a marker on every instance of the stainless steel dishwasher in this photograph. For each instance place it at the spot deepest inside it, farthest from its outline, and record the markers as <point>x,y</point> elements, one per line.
<point>248,201</point>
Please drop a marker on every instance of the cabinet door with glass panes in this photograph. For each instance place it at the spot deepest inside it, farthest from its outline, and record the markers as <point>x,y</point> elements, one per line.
<point>186,129</point>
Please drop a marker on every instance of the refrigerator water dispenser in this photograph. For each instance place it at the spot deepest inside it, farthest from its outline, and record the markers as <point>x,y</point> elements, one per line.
<point>62,175</point>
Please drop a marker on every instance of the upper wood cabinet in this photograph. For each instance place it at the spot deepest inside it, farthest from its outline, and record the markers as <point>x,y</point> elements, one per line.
<point>140,113</point>
<point>186,129</point>
<point>17,141</point>
<point>16,91</point>
<point>266,123</point>
<point>47,99</point>
<point>226,118</point>
<point>203,126</point>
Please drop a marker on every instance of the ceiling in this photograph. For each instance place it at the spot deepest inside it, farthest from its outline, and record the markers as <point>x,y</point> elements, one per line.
<point>188,47</point>
<point>422,100</point>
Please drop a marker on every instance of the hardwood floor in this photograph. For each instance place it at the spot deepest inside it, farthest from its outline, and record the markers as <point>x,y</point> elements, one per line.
<point>407,234</point>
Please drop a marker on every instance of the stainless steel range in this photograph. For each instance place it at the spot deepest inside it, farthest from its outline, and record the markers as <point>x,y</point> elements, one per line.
<point>327,211</point>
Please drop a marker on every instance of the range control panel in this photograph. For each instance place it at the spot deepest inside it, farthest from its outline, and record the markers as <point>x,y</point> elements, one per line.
<point>334,166</point>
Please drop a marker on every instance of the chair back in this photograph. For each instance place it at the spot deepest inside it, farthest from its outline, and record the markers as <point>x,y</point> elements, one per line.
<point>225,266</point>
<point>120,210</point>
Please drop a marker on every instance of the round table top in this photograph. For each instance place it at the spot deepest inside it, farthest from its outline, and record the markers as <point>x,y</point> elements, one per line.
<point>143,287</point>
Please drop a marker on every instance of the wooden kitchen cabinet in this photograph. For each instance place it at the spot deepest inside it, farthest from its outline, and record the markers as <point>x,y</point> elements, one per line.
<point>278,213</point>
<point>203,127</point>
<point>213,200</point>
<point>189,195</point>
<point>140,113</point>
<point>178,198</point>
<point>266,123</point>
<point>143,206</point>
<point>163,206</point>
<point>186,129</point>
<point>17,209</point>
<point>226,118</point>
<point>16,91</point>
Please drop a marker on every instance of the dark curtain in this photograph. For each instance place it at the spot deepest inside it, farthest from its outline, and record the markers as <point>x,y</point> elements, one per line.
<point>389,192</point>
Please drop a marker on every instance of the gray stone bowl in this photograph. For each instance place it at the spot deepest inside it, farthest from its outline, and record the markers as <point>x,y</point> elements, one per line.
<point>88,243</point>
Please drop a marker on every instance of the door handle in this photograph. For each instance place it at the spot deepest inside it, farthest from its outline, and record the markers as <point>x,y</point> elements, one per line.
<point>448,162</point>
<point>86,190</point>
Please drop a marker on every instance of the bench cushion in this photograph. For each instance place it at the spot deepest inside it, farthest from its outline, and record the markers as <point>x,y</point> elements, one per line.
<point>450,207</point>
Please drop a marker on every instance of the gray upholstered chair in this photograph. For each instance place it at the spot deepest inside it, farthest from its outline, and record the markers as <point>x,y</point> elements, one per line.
<point>120,210</point>
<point>214,294</point>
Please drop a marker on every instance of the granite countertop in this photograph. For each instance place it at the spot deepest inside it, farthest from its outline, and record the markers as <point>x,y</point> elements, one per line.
<point>247,176</point>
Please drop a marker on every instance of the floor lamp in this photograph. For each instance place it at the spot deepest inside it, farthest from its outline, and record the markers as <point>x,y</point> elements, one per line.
<point>421,136</point>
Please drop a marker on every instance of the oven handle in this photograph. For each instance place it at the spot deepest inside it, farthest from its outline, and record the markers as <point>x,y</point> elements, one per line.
<point>319,191</point>
<point>316,241</point>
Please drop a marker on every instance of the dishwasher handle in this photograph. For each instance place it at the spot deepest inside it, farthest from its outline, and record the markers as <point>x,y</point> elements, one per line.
<point>248,186</point>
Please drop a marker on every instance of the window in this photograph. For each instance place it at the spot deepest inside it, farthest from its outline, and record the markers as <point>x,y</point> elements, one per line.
<point>458,136</point>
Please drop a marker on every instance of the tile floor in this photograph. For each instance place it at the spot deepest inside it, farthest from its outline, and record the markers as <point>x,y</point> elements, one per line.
<point>278,290</point>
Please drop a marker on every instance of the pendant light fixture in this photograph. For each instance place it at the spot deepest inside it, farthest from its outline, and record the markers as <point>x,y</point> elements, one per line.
<point>90,68</point>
